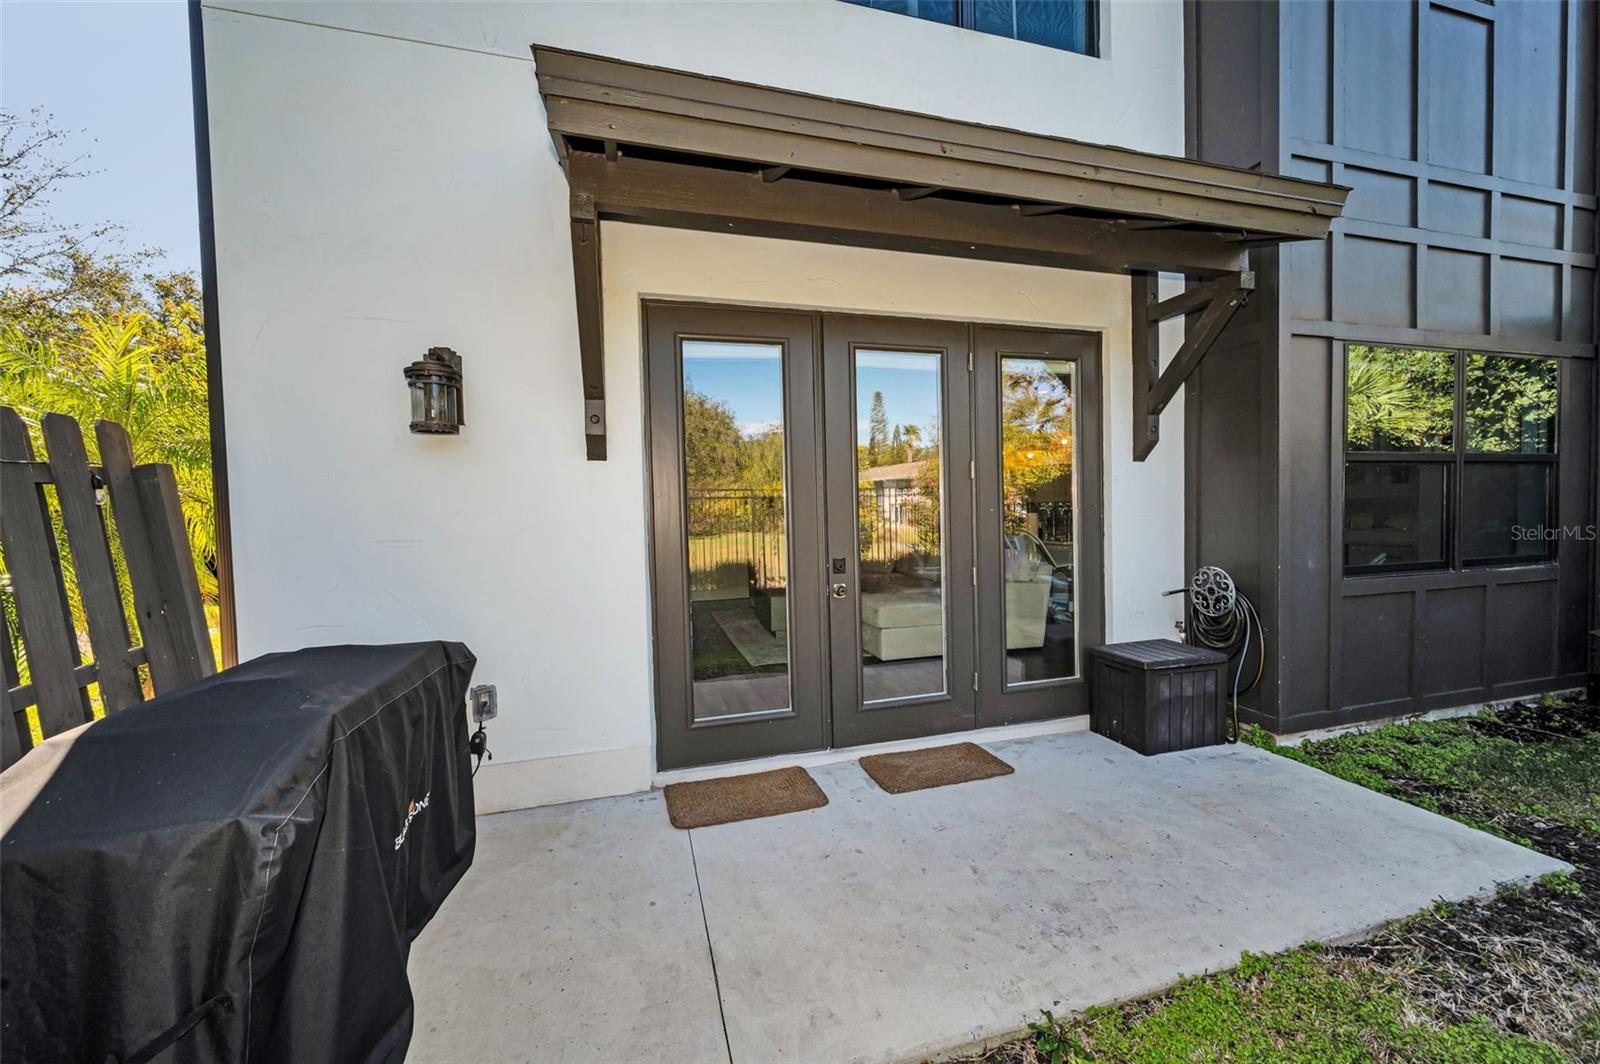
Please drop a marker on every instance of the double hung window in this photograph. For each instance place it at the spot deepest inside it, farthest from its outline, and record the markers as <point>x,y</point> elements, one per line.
<point>1450,459</point>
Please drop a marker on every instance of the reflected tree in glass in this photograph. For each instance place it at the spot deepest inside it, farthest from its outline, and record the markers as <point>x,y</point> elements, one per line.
<point>1399,398</point>
<point>1038,447</point>
<point>1511,404</point>
<point>900,522</point>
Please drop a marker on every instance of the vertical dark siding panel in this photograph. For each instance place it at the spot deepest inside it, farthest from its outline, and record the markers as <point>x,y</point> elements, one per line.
<point>1530,89</point>
<point>1376,45</point>
<point>1468,136</point>
<point>1458,291</point>
<point>1453,618</point>
<point>1582,60</point>
<point>1307,25</point>
<point>1458,91</point>
<point>1303,637</point>
<point>1231,122</point>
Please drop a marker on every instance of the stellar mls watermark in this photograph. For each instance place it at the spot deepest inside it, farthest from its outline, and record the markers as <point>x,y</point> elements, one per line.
<point>1550,533</point>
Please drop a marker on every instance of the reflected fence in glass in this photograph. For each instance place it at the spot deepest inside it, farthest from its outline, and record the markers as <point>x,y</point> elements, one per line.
<point>900,523</point>
<point>735,516</point>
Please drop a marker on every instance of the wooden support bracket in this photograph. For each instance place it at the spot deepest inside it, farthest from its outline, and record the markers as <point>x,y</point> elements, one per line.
<point>591,338</point>
<point>1214,304</point>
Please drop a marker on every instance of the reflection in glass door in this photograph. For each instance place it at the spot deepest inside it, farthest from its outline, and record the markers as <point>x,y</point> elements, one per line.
<point>893,533</point>
<point>733,467</point>
<point>900,523</point>
<point>1038,436</point>
<point>897,434</point>
<point>1037,467</point>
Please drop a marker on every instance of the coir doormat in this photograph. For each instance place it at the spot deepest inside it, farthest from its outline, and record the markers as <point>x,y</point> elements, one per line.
<point>937,766</point>
<point>704,803</point>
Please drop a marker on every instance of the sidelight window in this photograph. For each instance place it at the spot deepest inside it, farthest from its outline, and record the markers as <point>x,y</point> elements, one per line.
<point>1450,458</point>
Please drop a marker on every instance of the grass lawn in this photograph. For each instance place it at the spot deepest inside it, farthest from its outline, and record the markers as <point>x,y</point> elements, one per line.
<point>1510,979</point>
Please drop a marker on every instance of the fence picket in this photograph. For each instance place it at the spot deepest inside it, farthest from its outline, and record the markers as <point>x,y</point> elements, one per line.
<point>14,735</point>
<point>91,561</point>
<point>176,643</point>
<point>180,590</point>
<point>116,455</point>
<point>35,570</point>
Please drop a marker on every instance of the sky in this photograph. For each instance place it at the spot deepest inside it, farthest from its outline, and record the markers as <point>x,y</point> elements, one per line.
<point>116,76</point>
<point>748,378</point>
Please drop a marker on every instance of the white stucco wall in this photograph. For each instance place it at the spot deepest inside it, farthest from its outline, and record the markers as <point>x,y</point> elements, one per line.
<point>383,182</point>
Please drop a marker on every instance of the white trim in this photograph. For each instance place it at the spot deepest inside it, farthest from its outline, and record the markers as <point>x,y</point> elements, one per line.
<point>508,785</point>
<point>814,758</point>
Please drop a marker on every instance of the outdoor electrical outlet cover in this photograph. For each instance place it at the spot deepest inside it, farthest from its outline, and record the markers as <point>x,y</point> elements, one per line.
<point>485,702</point>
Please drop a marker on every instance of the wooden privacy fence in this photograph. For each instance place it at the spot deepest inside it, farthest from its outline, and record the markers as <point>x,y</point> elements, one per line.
<point>175,644</point>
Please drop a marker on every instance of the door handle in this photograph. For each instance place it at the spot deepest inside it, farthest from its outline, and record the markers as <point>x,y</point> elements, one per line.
<point>840,591</point>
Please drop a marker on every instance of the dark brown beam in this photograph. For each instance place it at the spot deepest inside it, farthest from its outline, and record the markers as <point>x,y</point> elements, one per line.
<point>1152,393</point>
<point>613,153</point>
<point>1229,294</point>
<point>1163,223</point>
<point>1183,303</point>
<point>591,337</point>
<point>1146,363</point>
<point>599,97</point>
<point>765,145</point>
<point>694,197</point>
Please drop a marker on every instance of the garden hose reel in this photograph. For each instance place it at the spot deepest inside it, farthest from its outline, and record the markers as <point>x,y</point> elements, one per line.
<point>1220,616</point>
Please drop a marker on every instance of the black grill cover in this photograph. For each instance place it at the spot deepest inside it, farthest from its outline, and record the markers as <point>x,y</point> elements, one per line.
<point>235,870</point>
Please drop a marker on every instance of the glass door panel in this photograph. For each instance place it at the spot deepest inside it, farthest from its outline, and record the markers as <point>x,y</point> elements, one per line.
<point>734,476</point>
<point>735,516</point>
<point>1037,474</point>
<point>897,437</point>
<point>1038,437</point>
<point>865,529</point>
<point>900,523</point>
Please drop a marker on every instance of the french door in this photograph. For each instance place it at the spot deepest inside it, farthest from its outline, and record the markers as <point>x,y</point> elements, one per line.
<point>865,528</point>
<point>901,604</point>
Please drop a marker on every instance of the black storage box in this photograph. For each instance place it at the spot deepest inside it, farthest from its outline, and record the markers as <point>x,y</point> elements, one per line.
<point>1157,695</point>
<point>234,871</point>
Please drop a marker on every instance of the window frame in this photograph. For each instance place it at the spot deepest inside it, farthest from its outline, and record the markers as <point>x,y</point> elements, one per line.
<point>966,18</point>
<point>1456,460</point>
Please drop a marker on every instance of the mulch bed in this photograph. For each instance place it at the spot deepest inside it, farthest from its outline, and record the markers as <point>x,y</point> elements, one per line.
<point>1528,960</point>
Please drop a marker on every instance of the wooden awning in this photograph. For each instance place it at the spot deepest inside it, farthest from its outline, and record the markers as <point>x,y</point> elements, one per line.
<point>666,147</point>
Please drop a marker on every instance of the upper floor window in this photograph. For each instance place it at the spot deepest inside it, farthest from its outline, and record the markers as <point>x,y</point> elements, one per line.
<point>1066,24</point>
<point>1450,459</point>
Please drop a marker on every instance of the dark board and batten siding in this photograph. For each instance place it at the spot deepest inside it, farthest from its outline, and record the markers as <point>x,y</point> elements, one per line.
<point>1467,134</point>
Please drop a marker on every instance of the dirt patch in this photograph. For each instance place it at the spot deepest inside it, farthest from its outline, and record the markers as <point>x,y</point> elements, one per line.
<point>1536,721</point>
<point>1526,960</point>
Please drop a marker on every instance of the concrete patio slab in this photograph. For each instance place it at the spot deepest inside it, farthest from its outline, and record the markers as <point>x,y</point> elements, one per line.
<point>884,927</point>
<point>576,935</point>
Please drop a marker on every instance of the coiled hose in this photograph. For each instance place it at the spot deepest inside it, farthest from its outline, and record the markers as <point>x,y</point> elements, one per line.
<point>1220,616</point>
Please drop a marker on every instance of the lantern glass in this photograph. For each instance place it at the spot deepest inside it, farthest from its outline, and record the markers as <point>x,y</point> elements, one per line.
<point>435,385</point>
<point>419,403</point>
<point>434,405</point>
<point>448,409</point>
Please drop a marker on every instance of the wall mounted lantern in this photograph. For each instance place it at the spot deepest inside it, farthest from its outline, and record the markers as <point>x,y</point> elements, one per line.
<point>435,383</point>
